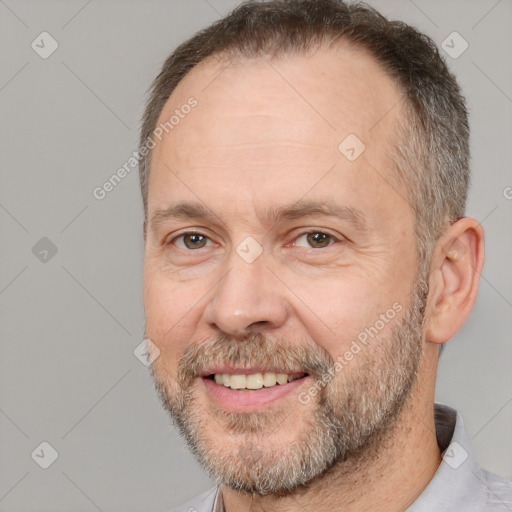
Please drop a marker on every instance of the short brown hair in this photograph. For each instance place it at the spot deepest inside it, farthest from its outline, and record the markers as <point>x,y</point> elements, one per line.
<point>431,153</point>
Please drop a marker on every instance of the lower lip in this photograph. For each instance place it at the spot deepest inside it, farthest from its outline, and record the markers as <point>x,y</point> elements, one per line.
<point>237,399</point>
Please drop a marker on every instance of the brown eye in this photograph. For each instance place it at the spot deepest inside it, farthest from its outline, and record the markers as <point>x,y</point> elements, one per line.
<point>318,240</point>
<point>194,240</point>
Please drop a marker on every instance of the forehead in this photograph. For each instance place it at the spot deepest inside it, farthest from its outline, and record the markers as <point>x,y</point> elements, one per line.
<point>341,87</point>
<point>266,123</point>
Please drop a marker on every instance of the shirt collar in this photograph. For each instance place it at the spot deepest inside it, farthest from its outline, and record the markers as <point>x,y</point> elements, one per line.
<point>218,504</point>
<point>458,483</point>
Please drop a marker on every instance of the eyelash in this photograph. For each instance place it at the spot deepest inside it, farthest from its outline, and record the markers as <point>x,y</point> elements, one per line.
<point>187,233</point>
<point>333,238</point>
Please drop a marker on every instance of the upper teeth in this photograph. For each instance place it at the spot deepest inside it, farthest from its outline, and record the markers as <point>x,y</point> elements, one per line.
<point>253,381</point>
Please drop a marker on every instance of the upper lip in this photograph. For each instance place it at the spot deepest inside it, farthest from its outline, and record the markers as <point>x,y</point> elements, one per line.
<point>248,371</point>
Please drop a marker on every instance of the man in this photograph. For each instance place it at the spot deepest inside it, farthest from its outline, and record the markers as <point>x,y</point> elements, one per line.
<point>304,176</point>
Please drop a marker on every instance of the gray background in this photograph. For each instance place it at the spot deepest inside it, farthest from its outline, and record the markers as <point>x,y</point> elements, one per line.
<point>70,324</point>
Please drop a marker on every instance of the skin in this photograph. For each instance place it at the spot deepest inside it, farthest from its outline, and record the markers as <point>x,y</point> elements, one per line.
<point>265,134</point>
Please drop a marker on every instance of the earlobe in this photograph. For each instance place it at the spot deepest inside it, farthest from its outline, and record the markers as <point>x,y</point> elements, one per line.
<point>455,273</point>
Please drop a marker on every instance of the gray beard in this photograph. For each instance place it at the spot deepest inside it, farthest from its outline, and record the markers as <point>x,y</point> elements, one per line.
<point>354,413</point>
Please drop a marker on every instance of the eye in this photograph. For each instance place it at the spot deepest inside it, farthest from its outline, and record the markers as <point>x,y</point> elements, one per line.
<point>191,241</point>
<point>315,239</point>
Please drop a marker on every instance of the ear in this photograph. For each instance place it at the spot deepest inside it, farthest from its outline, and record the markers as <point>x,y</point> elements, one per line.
<point>455,271</point>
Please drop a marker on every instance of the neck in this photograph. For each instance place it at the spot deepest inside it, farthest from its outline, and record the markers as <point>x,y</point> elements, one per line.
<point>385,478</point>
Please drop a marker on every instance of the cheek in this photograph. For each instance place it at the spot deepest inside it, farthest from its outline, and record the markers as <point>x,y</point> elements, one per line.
<point>171,313</point>
<point>337,312</point>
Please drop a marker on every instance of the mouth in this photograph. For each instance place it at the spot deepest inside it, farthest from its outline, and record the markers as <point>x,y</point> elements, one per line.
<point>254,381</point>
<point>250,389</point>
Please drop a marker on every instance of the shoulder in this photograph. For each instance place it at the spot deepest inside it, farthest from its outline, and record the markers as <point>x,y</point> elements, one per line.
<point>498,491</point>
<point>202,503</point>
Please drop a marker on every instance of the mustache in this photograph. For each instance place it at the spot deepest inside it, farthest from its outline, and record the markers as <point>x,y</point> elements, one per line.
<point>256,350</point>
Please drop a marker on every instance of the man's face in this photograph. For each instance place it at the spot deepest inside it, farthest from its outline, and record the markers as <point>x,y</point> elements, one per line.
<point>271,255</point>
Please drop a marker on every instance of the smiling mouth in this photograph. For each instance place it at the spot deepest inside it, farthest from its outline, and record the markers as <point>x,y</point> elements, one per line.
<point>254,381</point>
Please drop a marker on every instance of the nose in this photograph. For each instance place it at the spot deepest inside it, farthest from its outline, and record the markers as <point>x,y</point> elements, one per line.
<point>247,299</point>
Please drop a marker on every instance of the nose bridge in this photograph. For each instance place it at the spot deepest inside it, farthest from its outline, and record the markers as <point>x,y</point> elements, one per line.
<point>247,298</point>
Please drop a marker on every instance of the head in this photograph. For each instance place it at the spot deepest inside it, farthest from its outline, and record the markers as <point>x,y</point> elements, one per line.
<point>304,217</point>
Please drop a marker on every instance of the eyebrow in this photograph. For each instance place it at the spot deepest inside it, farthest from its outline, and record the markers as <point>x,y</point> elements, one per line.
<point>296,210</point>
